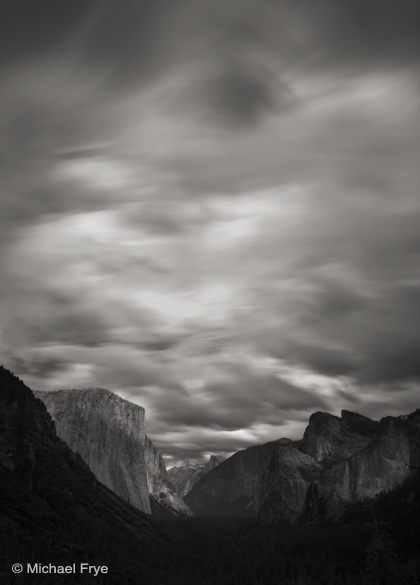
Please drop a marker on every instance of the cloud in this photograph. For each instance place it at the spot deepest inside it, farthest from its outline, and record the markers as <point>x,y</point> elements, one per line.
<point>187,444</point>
<point>365,34</point>
<point>237,404</point>
<point>212,208</point>
<point>240,97</point>
<point>44,367</point>
<point>27,28</point>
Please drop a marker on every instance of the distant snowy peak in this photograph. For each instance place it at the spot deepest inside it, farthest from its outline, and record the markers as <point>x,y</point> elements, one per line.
<point>185,473</point>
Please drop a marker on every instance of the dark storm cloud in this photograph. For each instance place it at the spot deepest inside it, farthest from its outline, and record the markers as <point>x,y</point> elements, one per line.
<point>326,360</point>
<point>235,405</point>
<point>350,398</point>
<point>130,38</point>
<point>374,340</point>
<point>135,37</point>
<point>331,301</point>
<point>161,345</point>
<point>365,33</point>
<point>33,127</point>
<point>134,40</point>
<point>42,368</point>
<point>30,28</point>
<point>74,325</point>
<point>240,97</point>
<point>391,338</point>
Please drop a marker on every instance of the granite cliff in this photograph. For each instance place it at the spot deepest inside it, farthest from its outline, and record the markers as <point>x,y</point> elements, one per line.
<point>185,474</point>
<point>109,434</point>
<point>333,438</point>
<point>340,460</point>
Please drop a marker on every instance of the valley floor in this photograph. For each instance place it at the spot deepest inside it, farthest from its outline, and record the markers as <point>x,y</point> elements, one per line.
<point>370,546</point>
<point>374,544</point>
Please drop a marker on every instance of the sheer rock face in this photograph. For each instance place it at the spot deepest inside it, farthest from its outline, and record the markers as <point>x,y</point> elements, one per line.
<point>46,489</point>
<point>286,484</point>
<point>166,501</point>
<point>157,476</point>
<point>341,460</point>
<point>186,474</point>
<point>382,465</point>
<point>232,488</point>
<point>329,437</point>
<point>109,434</point>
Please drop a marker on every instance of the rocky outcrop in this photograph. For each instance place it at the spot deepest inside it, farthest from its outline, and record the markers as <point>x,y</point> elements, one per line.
<point>286,485</point>
<point>109,434</point>
<point>50,500</point>
<point>332,438</point>
<point>165,499</point>
<point>383,464</point>
<point>232,488</point>
<point>340,460</point>
<point>185,474</point>
<point>157,476</point>
<point>212,462</point>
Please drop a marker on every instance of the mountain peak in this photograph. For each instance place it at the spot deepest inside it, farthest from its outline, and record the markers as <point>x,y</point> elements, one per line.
<point>328,437</point>
<point>93,394</point>
<point>185,474</point>
<point>358,422</point>
<point>321,418</point>
<point>215,459</point>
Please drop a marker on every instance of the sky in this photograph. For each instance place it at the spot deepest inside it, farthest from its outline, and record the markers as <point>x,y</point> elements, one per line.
<point>212,207</point>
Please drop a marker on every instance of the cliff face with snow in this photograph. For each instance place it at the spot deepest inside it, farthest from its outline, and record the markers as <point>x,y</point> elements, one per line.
<point>109,434</point>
